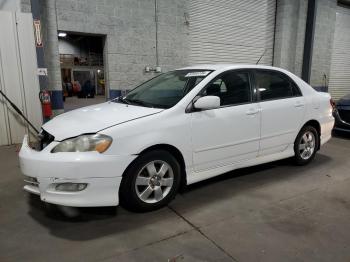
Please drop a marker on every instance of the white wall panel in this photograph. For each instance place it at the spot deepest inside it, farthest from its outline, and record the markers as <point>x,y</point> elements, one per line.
<point>18,76</point>
<point>339,80</point>
<point>224,31</point>
<point>4,132</point>
<point>12,79</point>
<point>29,67</point>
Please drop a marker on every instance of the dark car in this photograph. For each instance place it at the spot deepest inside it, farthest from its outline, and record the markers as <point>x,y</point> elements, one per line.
<point>341,114</point>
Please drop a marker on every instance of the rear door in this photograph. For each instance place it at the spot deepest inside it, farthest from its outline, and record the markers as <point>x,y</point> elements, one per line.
<point>282,110</point>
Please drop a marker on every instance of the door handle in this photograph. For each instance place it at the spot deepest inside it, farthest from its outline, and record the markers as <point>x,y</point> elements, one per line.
<point>299,104</point>
<point>252,111</point>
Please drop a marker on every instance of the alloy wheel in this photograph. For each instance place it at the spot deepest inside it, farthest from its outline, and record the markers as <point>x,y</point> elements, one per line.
<point>307,145</point>
<point>154,181</point>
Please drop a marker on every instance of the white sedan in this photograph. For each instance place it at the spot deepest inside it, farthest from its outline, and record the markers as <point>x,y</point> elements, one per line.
<point>176,129</point>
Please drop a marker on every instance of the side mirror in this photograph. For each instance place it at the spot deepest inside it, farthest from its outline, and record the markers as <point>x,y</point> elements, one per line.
<point>207,102</point>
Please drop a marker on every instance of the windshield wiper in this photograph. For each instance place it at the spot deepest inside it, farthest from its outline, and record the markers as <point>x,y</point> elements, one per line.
<point>123,100</point>
<point>138,102</point>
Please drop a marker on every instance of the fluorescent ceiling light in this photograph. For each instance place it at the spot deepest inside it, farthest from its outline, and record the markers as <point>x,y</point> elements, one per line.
<point>62,34</point>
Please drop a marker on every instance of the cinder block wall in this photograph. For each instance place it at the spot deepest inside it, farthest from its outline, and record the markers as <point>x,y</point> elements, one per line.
<point>129,27</point>
<point>323,42</point>
<point>25,6</point>
<point>290,34</point>
<point>130,31</point>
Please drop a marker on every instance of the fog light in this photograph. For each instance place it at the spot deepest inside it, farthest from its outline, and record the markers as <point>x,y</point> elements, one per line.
<point>30,180</point>
<point>71,187</point>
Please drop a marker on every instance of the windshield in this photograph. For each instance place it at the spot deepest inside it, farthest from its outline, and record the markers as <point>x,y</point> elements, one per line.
<point>165,90</point>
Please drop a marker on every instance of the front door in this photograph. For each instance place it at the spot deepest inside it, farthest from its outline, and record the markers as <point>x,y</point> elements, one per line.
<point>230,133</point>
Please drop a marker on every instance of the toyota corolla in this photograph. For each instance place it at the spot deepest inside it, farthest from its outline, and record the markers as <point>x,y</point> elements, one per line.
<point>176,129</point>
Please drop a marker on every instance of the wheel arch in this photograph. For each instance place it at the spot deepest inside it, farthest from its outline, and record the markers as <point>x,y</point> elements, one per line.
<point>314,123</point>
<point>174,151</point>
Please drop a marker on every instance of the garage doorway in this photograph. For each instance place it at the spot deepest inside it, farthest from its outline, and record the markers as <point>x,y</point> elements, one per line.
<point>82,69</point>
<point>231,31</point>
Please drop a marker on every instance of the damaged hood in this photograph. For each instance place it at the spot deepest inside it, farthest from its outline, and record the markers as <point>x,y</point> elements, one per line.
<point>94,118</point>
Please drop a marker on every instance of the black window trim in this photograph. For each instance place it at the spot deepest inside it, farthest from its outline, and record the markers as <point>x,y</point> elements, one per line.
<point>284,75</point>
<point>253,92</point>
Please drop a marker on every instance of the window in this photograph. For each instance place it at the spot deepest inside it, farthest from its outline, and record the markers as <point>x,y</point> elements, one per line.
<point>232,88</point>
<point>274,85</point>
<point>165,90</point>
<point>295,89</point>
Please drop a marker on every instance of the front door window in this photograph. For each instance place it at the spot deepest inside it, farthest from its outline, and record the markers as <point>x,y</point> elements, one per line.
<point>231,87</point>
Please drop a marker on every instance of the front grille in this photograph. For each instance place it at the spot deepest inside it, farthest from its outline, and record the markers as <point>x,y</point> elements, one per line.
<point>344,115</point>
<point>44,139</point>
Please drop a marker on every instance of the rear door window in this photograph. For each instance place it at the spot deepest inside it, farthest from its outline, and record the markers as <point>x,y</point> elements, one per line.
<point>274,85</point>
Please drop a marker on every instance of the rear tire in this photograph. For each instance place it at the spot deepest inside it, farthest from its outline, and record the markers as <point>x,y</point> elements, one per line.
<point>151,182</point>
<point>306,145</point>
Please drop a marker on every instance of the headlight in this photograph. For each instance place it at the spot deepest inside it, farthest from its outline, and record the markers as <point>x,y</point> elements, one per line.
<point>84,143</point>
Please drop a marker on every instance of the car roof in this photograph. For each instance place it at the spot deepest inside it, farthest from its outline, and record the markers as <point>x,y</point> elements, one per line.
<point>227,66</point>
<point>305,87</point>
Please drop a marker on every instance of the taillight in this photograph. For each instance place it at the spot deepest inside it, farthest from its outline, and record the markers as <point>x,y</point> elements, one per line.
<point>332,104</point>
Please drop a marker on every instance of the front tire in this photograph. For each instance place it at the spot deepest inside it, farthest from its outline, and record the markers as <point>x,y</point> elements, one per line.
<point>151,181</point>
<point>306,145</point>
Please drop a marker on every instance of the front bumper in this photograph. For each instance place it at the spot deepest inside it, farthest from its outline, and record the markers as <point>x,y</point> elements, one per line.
<point>102,173</point>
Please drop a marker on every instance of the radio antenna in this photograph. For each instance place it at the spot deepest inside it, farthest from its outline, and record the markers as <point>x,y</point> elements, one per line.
<point>257,62</point>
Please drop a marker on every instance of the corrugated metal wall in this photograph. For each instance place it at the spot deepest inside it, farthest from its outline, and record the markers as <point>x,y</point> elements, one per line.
<point>18,76</point>
<point>339,80</point>
<point>226,31</point>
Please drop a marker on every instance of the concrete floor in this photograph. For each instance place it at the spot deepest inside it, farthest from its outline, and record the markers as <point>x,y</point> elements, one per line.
<point>272,212</point>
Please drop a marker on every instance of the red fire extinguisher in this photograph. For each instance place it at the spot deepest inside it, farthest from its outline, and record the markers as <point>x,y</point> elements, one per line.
<point>46,103</point>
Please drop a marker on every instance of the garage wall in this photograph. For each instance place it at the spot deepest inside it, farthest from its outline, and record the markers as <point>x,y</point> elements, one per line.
<point>10,5</point>
<point>130,30</point>
<point>25,5</point>
<point>290,35</point>
<point>323,42</point>
<point>189,31</point>
<point>339,80</point>
<point>223,31</point>
<point>51,53</point>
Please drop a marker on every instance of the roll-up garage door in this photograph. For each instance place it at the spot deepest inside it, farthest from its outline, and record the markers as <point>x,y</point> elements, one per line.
<point>339,80</point>
<point>226,31</point>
